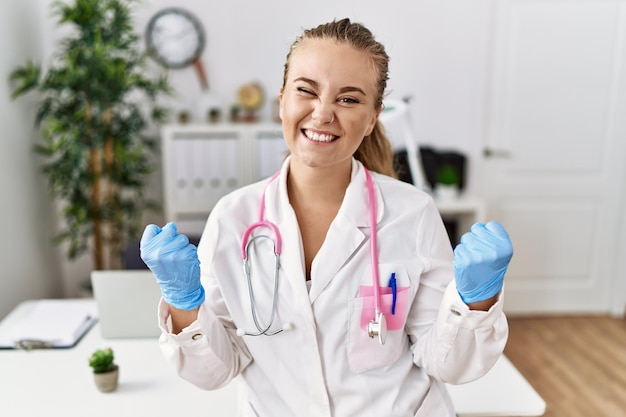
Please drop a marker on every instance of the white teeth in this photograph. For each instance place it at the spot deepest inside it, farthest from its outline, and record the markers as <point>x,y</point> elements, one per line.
<point>318,137</point>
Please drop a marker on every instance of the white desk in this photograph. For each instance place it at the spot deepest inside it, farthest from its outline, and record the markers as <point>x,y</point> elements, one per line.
<point>60,382</point>
<point>503,392</point>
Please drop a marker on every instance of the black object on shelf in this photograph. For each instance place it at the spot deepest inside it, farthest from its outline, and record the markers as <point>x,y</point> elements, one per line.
<point>432,160</point>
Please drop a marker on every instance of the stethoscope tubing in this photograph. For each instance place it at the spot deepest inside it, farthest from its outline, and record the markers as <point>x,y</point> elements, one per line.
<point>262,330</point>
<point>245,240</point>
<point>373,241</point>
<point>378,324</point>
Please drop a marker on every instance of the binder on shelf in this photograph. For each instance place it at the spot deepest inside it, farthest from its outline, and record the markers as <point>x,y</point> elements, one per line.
<point>48,323</point>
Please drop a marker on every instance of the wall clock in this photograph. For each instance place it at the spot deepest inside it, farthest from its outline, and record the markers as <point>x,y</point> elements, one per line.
<point>175,38</point>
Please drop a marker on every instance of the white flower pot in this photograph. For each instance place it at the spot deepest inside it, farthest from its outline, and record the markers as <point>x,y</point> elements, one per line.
<point>445,192</point>
<point>107,381</point>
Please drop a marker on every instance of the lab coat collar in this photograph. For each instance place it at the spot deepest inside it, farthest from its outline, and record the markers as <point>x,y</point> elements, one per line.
<point>348,231</point>
<point>343,238</point>
<point>355,205</point>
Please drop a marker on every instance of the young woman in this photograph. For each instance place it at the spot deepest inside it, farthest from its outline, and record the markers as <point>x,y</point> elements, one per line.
<point>365,311</point>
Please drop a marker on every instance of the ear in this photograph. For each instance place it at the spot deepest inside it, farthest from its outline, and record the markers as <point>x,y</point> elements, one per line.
<point>280,103</point>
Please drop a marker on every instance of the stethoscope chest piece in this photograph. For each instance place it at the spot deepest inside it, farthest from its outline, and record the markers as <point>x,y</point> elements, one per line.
<point>378,327</point>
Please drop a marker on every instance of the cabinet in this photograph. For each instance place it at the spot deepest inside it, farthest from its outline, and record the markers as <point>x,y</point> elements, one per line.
<point>201,163</point>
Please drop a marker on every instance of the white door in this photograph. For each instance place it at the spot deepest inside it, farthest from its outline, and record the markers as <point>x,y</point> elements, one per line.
<point>555,150</point>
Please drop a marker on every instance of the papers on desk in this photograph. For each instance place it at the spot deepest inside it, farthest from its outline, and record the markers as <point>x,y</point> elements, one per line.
<point>50,323</point>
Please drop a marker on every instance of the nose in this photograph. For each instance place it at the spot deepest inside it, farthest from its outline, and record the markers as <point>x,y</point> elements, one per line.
<point>323,112</point>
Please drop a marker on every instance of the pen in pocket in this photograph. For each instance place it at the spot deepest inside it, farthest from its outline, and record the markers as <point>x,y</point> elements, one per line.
<point>394,292</point>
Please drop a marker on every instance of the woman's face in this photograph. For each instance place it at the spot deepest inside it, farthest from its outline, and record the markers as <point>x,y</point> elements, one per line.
<point>327,105</point>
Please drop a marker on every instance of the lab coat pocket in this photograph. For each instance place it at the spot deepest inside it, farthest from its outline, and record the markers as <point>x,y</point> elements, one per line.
<point>366,353</point>
<point>395,311</point>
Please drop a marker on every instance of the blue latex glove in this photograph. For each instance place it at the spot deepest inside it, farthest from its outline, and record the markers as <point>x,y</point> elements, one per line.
<point>175,264</point>
<point>481,260</point>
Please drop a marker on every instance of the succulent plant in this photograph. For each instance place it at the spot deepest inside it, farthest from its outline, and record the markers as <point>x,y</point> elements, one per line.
<point>102,360</point>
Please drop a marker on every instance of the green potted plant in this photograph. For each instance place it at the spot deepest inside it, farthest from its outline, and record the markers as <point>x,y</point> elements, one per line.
<point>447,180</point>
<point>97,101</point>
<point>105,371</point>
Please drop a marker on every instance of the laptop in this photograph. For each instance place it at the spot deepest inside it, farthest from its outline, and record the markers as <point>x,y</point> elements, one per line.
<point>127,302</point>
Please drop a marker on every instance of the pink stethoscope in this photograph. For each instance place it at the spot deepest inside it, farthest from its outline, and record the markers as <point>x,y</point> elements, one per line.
<point>376,327</point>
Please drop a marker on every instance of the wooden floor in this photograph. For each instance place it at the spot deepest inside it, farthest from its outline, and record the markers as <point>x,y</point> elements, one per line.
<point>577,364</point>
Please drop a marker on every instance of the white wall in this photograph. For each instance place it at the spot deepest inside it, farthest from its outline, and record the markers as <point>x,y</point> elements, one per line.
<point>438,56</point>
<point>437,53</point>
<point>30,268</point>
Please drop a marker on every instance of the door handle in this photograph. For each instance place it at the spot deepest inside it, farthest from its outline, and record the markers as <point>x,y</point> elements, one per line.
<point>496,153</point>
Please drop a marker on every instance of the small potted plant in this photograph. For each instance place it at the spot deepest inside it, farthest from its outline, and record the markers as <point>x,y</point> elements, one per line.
<point>447,181</point>
<point>105,371</point>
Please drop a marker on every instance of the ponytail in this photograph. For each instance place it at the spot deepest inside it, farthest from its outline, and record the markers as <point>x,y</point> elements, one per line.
<point>375,152</point>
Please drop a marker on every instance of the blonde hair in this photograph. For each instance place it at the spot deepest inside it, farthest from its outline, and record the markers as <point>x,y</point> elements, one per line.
<point>375,150</point>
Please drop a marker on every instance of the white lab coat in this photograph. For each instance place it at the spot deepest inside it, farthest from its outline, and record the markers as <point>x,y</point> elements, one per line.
<point>327,365</point>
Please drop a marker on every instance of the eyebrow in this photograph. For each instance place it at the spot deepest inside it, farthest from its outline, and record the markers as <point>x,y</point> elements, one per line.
<point>342,90</point>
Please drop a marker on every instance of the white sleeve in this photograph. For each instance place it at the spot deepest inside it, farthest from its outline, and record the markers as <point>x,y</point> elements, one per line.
<point>208,353</point>
<point>468,342</point>
<point>205,353</point>
<point>449,341</point>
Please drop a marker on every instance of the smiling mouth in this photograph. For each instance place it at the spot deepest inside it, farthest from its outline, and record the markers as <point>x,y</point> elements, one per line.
<point>318,137</point>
